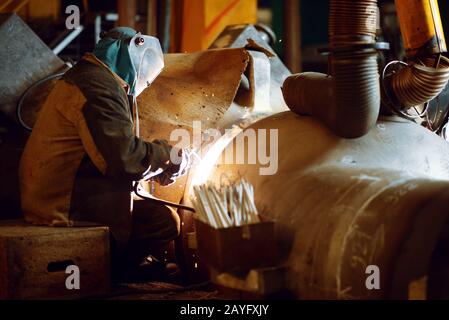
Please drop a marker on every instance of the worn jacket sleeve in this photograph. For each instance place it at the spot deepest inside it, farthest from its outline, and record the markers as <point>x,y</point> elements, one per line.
<point>106,129</point>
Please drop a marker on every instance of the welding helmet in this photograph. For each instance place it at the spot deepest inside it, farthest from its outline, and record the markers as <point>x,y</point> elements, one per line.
<point>148,60</point>
<point>137,59</point>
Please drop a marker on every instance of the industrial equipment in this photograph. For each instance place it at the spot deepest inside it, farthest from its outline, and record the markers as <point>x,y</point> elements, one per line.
<point>341,205</point>
<point>351,189</point>
<point>354,93</point>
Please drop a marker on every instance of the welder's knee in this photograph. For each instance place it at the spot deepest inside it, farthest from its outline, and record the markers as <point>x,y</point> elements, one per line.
<point>150,221</point>
<point>173,229</point>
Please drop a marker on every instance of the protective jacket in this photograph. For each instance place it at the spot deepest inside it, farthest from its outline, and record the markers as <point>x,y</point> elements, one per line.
<point>83,155</point>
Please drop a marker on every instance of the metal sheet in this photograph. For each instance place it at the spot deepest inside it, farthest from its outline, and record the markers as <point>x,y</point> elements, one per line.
<point>25,60</point>
<point>245,35</point>
<point>193,87</point>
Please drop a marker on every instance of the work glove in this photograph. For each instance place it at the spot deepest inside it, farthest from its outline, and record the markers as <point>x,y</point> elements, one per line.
<point>171,163</point>
<point>178,167</point>
<point>159,159</point>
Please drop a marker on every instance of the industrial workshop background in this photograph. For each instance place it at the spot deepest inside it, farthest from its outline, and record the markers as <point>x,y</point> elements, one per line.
<point>297,28</point>
<point>297,32</point>
<point>191,25</point>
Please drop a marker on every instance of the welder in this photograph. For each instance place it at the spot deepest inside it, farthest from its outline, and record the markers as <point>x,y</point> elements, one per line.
<point>84,153</point>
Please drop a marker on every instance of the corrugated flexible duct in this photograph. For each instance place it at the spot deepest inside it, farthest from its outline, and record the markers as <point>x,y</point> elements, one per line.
<point>418,83</point>
<point>426,75</point>
<point>349,103</point>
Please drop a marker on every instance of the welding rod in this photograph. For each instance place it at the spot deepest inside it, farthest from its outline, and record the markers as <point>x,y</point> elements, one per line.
<point>225,207</point>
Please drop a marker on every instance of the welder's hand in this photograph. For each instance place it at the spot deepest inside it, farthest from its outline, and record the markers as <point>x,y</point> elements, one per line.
<point>184,160</point>
<point>177,167</point>
<point>164,180</point>
<point>160,159</point>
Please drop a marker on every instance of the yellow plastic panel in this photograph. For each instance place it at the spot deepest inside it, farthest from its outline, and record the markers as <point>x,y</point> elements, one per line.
<point>421,26</point>
<point>204,20</point>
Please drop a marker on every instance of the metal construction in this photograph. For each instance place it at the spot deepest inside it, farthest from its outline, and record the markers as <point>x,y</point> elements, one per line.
<point>29,60</point>
<point>342,205</point>
<point>339,205</point>
<point>348,190</point>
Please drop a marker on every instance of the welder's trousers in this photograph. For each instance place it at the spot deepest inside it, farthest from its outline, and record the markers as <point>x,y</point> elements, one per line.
<point>153,227</point>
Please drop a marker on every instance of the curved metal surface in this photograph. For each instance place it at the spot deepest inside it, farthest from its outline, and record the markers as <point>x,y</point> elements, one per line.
<point>341,205</point>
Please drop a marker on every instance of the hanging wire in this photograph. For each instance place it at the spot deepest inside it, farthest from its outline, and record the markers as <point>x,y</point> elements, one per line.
<point>25,95</point>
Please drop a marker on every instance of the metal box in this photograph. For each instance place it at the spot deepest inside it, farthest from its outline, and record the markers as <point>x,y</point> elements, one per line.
<point>33,261</point>
<point>237,248</point>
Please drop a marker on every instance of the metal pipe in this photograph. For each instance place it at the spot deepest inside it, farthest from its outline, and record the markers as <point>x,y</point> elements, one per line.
<point>419,83</point>
<point>355,88</point>
<point>306,94</point>
<point>67,38</point>
<point>97,28</point>
<point>427,75</point>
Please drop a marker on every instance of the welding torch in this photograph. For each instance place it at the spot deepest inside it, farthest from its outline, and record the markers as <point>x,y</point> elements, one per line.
<point>142,193</point>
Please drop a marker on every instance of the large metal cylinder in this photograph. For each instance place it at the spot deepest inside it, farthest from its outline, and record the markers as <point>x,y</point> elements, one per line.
<point>343,205</point>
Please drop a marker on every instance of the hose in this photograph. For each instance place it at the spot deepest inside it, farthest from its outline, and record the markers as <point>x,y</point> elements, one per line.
<point>349,102</point>
<point>154,200</point>
<point>419,83</point>
<point>25,95</point>
<point>352,21</point>
<point>308,93</point>
<point>356,91</point>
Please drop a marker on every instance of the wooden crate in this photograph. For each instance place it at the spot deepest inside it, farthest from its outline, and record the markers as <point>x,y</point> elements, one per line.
<point>33,261</point>
<point>237,248</point>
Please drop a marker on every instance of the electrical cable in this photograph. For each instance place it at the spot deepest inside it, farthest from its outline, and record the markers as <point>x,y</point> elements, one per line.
<point>26,93</point>
<point>160,201</point>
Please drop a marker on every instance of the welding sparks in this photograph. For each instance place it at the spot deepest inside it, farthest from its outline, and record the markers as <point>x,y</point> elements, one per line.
<point>212,155</point>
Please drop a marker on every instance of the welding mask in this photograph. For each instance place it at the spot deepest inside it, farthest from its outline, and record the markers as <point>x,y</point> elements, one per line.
<point>148,60</point>
<point>136,58</point>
